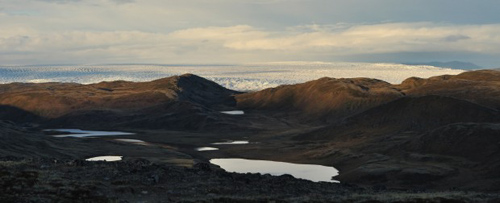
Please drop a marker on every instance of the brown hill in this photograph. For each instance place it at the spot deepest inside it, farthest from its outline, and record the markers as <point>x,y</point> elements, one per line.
<point>53,100</point>
<point>481,87</point>
<point>178,102</point>
<point>340,98</point>
<point>325,97</point>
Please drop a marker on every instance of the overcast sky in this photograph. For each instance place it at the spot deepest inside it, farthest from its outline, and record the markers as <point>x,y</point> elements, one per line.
<point>243,31</point>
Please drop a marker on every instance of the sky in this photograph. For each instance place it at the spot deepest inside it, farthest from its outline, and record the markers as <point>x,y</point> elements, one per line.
<point>248,31</point>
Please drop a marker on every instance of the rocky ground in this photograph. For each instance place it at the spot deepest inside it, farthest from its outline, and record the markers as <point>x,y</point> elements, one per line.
<point>53,180</point>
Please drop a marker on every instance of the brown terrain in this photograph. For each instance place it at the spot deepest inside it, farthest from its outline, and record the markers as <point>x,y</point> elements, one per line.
<point>425,140</point>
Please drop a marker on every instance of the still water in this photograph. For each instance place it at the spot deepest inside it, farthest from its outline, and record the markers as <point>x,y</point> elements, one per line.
<point>315,173</point>
<point>236,112</point>
<point>201,149</point>
<point>86,133</point>
<point>105,158</point>
<point>232,142</point>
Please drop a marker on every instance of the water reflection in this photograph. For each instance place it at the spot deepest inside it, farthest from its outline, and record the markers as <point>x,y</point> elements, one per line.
<point>105,158</point>
<point>231,142</point>
<point>86,133</point>
<point>133,141</point>
<point>236,112</point>
<point>201,149</point>
<point>311,172</point>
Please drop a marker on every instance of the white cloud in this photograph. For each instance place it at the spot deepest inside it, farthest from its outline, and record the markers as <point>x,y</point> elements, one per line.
<point>382,38</point>
<point>87,1</point>
<point>357,39</point>
<point>199,31</point>
<point>244,43</point>
<point>239,32</point>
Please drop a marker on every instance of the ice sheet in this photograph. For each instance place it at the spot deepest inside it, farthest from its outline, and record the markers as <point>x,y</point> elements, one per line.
<point>246,77</point>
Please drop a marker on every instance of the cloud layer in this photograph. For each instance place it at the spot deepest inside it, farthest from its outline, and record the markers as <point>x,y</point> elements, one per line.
<point>220,31</point>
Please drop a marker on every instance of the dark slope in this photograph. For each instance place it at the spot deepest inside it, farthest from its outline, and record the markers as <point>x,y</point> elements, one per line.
<point>179,115</point>
<point>426,112</point>
<point>16,115</point>
<point>475,148</point>
<point>207,93</point>
<point>15,141</point>
<point>429,149</point>
<point>475,141</point>
<point>406,114</point>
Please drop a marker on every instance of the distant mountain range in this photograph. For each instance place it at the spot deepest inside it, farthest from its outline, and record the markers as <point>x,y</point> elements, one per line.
<point>450,64</point>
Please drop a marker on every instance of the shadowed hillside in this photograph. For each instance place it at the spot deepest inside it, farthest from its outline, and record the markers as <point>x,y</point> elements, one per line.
<point>406,114</point>
<point>14,114</point>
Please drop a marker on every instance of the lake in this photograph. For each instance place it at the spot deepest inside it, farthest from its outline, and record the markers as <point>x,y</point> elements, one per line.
<point>315,173</point>
<point>86,133</point>
<point>235,112</point>
<point>105,158</point>
<point>201,149</point>
<point>231,142</point>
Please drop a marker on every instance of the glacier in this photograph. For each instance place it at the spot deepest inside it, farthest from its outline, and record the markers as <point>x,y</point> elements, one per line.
<point>241,77</point>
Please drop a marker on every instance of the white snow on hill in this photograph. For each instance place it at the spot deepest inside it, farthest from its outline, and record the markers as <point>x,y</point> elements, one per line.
<point>246,77</point>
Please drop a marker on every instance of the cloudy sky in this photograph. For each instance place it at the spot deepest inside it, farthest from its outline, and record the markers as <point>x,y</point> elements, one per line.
<point>243,31</point>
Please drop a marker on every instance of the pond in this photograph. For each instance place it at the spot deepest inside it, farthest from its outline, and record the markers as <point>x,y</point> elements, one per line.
<point>201,149</point>
<point>85,133</point>
<point>133,141</point>
<point>236,112</point>
<point>315,173</point>
<point>232,142</point>
<point>105,158</point>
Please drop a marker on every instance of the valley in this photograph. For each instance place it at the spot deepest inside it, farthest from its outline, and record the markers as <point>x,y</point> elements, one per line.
<point>423,136</point>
